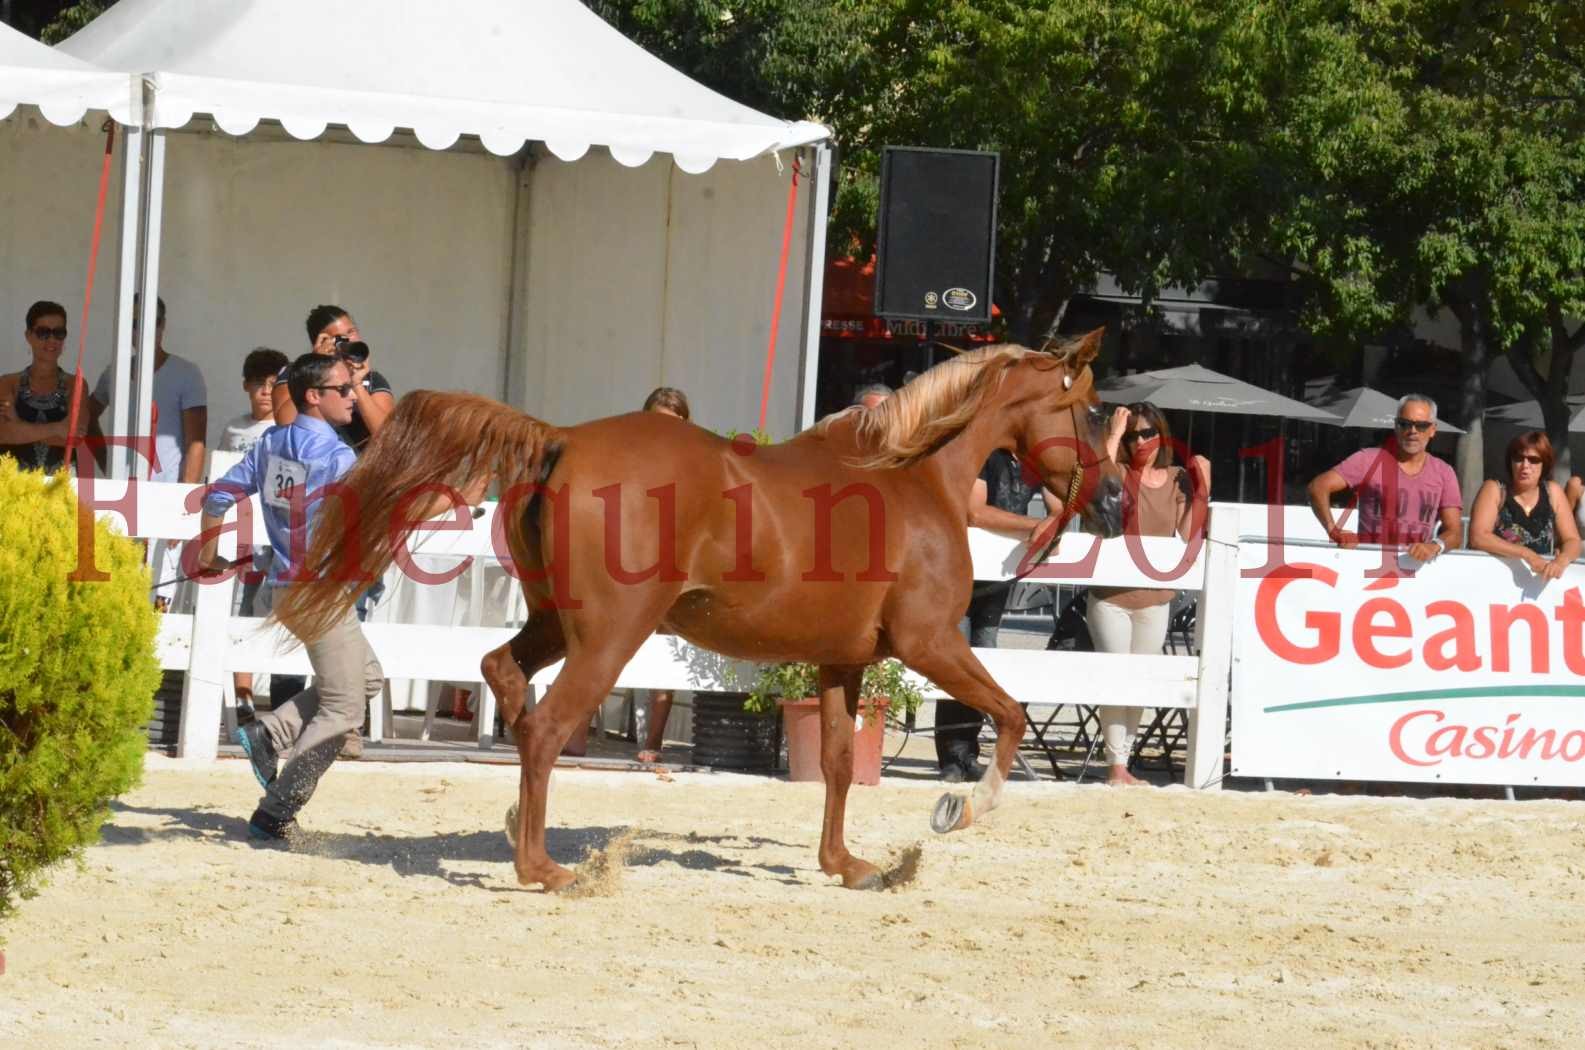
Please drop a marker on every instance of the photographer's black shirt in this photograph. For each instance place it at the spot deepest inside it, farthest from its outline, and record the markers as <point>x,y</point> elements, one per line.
<point>1006,485</point>
<point>355,433</point>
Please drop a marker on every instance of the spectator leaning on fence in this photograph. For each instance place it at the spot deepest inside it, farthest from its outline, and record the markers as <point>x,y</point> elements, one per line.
<point>999,502</point>
<point>35,402</point>
<point>670,401</point>
<point>1527,516</point>
<point>180,409</point>
<point>1159,499</point>
<point>1406,496</point>
<point>259,370</point>
<point>289,469</point>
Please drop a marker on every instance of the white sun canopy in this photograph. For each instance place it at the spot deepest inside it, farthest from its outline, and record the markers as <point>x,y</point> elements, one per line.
<point>508,71</point>
<point>62,87</point>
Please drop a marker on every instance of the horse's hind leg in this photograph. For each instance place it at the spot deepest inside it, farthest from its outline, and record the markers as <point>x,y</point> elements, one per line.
<point>507,669</point>
<point>583,682</point>
<point>839,697</point>
<point>951,664</point>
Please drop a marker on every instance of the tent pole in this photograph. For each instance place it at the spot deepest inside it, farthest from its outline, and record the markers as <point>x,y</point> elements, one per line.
<point>814,286</point>
<point>517,283</point>
<point>153,206</point>
<point>126,281</point>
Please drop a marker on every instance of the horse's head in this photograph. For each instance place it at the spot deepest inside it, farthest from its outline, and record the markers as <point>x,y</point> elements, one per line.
<point>1058,429</point>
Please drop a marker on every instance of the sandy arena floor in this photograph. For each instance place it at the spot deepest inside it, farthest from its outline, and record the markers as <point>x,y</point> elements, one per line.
<point>1073,917</point>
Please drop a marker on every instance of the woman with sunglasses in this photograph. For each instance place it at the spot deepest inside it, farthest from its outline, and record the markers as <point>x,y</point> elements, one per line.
<point>1528,516</point>
<point>35,402</point>
<point>1159,499</point>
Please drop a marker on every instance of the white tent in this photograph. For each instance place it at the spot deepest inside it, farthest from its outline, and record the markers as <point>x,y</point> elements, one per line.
<point>508,71</point>
<point>62,87</point>
<point>567,289</point>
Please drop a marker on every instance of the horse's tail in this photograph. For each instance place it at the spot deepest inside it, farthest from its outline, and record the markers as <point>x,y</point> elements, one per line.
<point>431,441</point>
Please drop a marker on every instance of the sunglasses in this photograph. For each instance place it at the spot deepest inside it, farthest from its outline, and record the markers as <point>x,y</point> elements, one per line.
<point>41,332</point>
<point>1142,434</point>
<point>1534,461</point>
<point>1422,425</point>
<point>345,389</point>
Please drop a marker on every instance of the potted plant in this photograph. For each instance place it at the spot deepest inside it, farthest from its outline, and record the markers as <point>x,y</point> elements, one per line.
<point>795,687</point>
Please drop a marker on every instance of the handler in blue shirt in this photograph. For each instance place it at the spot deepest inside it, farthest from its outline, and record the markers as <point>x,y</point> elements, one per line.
<point>290,468</point>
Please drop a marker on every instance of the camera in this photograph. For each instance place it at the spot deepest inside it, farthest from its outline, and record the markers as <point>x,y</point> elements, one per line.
<point>353,350</point>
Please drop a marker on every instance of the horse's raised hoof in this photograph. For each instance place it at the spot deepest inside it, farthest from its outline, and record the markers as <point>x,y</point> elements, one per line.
<point>951,814</point>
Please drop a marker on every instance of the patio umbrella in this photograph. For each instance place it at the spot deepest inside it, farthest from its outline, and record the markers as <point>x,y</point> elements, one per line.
<point>1526,415</point>
<point>1366,409</point>
<point>1194,388</point>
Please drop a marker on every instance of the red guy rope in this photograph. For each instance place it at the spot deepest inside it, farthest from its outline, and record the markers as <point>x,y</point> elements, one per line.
<point>781,286</point>
<point>88,292</point>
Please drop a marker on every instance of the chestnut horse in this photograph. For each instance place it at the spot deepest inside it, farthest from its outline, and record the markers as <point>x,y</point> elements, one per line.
<point>842,546</point>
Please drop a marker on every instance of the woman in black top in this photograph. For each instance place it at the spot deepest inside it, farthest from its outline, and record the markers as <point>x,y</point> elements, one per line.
<point>1528,516</point>
<point>35,402</point>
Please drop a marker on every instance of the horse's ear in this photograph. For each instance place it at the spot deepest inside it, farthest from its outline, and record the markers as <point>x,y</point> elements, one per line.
<point>1087,347</point>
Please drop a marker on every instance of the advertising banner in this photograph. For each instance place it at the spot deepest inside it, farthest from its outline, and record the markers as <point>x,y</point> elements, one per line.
<point>1348,665</point>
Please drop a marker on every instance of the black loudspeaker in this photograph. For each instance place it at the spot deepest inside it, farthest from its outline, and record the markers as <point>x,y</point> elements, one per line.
<point>935,249</point>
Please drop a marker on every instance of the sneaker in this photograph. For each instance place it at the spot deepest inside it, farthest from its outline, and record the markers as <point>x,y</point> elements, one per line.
<point>265,828</point>
<point>962,771</point>
<point>261,753</point>
<point>351,745</point>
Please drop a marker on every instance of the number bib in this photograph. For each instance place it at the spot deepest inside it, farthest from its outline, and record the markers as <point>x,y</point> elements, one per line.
<point>284,481</point>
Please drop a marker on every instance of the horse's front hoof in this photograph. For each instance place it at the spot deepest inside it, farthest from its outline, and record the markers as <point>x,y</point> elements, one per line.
<point>863,877</point>
<point>951,814</point>
<point>553,878</point>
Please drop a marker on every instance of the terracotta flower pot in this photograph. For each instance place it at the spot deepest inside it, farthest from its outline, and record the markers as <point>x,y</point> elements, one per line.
<point>801,726</point>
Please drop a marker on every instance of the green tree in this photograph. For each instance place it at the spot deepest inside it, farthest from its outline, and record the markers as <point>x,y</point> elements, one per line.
<point>1126,130</point>
<point>73,17</point>
<point>1126,127</point>
<point>1433,155</point>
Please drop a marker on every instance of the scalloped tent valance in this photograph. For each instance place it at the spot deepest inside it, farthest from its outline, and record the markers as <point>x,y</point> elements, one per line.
<point>62,87</point>
<point>508,71</point>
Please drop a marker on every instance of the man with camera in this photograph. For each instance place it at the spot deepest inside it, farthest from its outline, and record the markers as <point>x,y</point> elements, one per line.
<point>332,331</point>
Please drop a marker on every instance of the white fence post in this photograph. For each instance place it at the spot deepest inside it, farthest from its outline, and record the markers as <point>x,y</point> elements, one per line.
<point>1208,720</point>
<point>204,690</point>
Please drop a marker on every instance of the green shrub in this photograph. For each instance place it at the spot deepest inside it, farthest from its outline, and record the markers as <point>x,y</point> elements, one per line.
<point>883,679</point>
<point>77,678</point>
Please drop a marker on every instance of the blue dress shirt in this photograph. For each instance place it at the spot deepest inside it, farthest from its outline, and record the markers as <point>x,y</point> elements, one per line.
<point>289,468</point>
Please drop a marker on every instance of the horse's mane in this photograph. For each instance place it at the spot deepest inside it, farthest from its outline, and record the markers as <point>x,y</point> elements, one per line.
<point>936,406</point>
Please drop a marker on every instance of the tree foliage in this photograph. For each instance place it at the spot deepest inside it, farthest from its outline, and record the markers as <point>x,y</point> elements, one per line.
<point>77,678</point>
<point>1128,129</point>
<point>1434,156</point>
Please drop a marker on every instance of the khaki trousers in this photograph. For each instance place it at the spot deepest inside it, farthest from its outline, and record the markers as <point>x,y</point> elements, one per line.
<point>1115,629</point>
<point>313,723</point>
